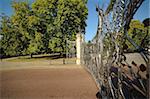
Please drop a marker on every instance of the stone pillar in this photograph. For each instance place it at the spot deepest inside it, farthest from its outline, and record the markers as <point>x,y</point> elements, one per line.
<point>79,40</point>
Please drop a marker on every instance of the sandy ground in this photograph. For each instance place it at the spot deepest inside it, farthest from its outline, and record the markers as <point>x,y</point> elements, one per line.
<point>71,82</point>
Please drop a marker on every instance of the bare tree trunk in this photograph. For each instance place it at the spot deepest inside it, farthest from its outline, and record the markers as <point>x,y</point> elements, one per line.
<point>31,55</point>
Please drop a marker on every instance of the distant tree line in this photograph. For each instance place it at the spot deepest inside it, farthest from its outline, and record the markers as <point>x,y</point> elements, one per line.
<point>41,27</point>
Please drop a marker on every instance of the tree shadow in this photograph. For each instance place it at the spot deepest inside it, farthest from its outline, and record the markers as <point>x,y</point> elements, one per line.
<point>52,57</point>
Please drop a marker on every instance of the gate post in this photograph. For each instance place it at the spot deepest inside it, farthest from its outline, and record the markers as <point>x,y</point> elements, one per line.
<point>79,40</point>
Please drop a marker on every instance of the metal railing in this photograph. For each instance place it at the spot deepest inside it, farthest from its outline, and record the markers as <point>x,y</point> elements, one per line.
<point>104,56</point>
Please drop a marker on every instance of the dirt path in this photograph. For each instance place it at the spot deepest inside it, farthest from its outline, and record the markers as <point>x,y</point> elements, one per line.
<point>47,83</point>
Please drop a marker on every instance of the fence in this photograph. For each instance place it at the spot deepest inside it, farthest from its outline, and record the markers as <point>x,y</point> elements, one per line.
<point>68,57</point>
<point>116,73</point>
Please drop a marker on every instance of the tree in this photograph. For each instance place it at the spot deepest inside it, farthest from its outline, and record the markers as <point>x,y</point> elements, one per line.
<point>137,33</point>
<point>20,23</point>
<point>45,26</point>
<point>11,40</point>
<point>60,20</point>
<point>146,22</point>
<point>6,41</point>
<point>35,44</point>
<point>145,41</point>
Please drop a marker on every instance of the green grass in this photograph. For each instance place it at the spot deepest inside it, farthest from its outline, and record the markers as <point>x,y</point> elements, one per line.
<point>41,57</point>
<point>25,59</point>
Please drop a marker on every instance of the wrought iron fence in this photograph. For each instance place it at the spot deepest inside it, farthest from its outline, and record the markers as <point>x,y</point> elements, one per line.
<point>117,73</point>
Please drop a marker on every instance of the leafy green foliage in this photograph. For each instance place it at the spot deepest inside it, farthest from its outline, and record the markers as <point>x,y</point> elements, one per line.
<point>61,20</point>
<point>138,33</point>
<point>43,27</point>
<point>6,40</point>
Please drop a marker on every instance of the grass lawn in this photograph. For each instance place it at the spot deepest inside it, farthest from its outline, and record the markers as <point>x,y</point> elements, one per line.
<point>38,61</point>
<point>36,58</point>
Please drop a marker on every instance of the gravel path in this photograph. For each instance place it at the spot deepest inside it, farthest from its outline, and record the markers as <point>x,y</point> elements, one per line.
<point>47,83</point>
